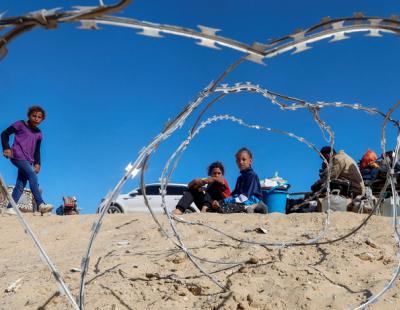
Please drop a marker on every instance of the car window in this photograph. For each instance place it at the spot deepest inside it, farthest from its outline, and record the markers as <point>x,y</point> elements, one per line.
<point>176,190</point>
<point>153,190</point>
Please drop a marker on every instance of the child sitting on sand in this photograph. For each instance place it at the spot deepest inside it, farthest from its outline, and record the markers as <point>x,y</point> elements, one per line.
<point>217,188</point>
<point>247,195</point>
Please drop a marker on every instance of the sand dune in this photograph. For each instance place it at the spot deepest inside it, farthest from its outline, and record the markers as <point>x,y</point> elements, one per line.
<point>134,267</point>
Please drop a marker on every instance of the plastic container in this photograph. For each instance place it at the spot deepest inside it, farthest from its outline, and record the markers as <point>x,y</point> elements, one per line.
<point>387,209</point>
<point>275,199</point>
<point>275,181</point>
<point>338,202</point>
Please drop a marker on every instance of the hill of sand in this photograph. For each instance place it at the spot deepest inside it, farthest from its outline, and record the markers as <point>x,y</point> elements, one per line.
<point>134,267</point>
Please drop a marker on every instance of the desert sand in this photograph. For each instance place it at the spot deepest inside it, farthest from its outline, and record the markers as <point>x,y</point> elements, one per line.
<point>134,266</point>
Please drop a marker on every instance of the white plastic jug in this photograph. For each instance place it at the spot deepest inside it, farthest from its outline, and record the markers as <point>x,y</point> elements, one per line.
<point>338,203</point>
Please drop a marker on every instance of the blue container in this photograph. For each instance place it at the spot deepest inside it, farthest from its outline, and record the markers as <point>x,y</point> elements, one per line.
<point>275,199</point>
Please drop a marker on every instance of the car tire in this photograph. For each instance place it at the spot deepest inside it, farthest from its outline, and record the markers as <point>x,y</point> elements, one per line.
<point>114,209</point>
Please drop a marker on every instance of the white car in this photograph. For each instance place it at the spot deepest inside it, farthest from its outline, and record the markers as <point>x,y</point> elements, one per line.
<point>134,201</point>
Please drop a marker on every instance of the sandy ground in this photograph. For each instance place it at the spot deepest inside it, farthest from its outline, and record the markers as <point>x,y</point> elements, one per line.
<point>134,267</point>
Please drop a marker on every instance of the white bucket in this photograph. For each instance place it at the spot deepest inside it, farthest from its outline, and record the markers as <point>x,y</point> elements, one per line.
<point>387,209</point>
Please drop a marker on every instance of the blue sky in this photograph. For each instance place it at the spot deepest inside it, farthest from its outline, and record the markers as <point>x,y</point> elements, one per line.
<point>109,92</point>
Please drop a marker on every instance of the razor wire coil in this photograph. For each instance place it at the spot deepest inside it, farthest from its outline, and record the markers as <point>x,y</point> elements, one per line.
<point>297,42</point>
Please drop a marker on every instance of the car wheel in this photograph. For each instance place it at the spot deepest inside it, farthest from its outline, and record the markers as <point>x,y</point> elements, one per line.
<point>113,209</point>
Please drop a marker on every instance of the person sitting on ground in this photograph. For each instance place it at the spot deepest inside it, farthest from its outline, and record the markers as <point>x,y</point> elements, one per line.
<point>385,164</point>
<point>217,188</point>
<point>247,195</point>
<point>369,166</point>
<point>344,170</point>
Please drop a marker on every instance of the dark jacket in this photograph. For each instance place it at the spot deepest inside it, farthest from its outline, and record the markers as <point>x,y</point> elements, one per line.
<point>248,184</point>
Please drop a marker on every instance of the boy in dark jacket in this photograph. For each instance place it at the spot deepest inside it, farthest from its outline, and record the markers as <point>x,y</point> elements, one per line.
<point>247,195</point>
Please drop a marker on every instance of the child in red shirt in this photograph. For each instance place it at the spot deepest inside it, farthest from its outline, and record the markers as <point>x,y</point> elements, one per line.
<point>217,188</point>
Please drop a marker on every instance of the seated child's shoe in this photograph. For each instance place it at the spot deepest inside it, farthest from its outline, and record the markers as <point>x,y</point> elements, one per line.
<point>45,208</point>
<point>250,208</point>
<point>10,211</point>
<point>261,207</point>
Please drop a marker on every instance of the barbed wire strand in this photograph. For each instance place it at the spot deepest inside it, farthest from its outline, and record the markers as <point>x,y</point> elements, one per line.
<point>63,288</point>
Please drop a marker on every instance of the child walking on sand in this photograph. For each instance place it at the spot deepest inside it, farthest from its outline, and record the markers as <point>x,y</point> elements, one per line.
<point>247,195</point>
<point>25,155</point>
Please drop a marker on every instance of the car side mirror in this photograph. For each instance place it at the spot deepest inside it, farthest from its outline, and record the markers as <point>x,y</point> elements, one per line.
<point>133,194</point>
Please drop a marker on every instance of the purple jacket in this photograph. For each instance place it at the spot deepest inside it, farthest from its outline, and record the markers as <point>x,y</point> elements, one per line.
<point>27,141</point>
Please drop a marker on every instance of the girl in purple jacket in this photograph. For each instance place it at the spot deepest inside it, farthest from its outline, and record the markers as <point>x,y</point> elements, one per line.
<point>25,155</point>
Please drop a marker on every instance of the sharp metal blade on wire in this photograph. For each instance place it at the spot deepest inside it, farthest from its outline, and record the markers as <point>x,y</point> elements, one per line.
<point>375,21</point>
<point>208,43</point>
<point>299,35</point>
<point>359,15</point>
<point>82,9</point>
<point>88,24</point>
<point>133,172</point>
<point>38,15</point>
<point>324,20</point>
<point>43,13</point>
<point>260,46</point>
<point>301,47</point>
<point>340,35</point>
<point>208,30</point>
<point>41,16</point>
<point>374,32</point>
<point>256,58</point>
<point>150,32</point>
